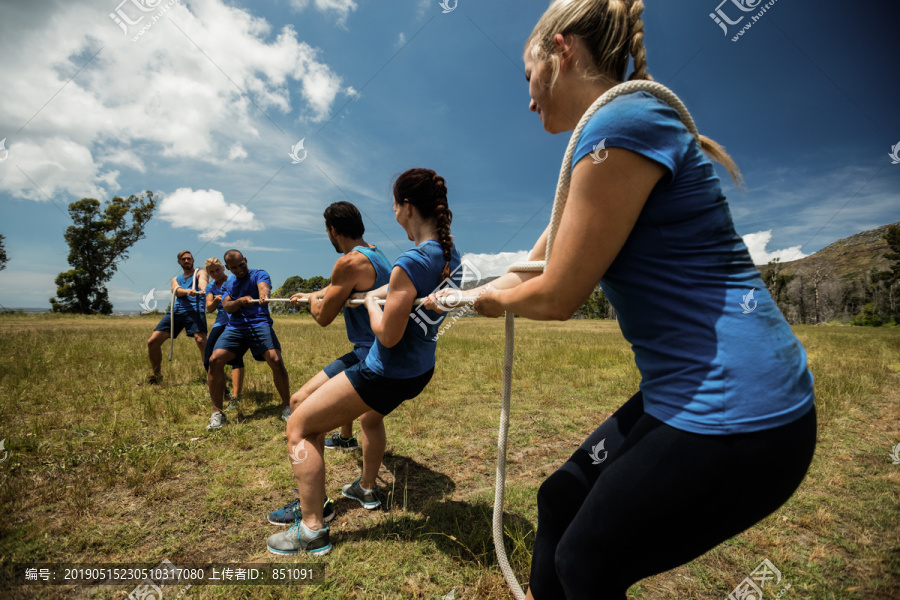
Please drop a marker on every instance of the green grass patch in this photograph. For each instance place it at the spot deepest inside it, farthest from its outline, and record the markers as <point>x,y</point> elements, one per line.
<point>101,469</point>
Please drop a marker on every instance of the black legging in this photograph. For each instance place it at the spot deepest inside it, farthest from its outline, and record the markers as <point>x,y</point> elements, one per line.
<point>660,498</point>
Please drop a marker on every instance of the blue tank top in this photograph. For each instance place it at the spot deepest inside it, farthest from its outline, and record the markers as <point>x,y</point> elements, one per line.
<point>359,331</point>
<point>716,355</point>
<point>414,353</point>
<point>214,289</point>
<point>185,304</point>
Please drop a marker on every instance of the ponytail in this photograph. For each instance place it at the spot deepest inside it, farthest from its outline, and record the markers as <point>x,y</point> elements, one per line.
<point>427,191</point>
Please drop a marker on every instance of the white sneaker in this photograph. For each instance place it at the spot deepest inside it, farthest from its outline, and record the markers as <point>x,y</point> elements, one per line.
<point>286,413</point>
<point>216,421</point>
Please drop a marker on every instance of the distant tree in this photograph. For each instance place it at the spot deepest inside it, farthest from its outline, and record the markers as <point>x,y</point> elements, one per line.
<point>294,285</point>
<point>595,307</point>
<point>777,284</point>
<point>3,258</point>
<point>891,278</point>
<point>98,240</point>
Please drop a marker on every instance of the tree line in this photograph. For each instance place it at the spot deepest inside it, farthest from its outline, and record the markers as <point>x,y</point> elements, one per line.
<point>99,240</point>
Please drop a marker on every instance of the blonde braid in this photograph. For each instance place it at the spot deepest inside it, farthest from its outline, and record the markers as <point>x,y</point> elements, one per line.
<point>638,51</point>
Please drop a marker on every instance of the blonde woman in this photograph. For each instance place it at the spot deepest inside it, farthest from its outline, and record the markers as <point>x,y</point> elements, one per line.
<point>723,428</point>
<point>216,271</point>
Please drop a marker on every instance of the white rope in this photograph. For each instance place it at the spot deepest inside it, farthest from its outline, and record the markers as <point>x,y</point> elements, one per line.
<point>450,303</point>
<point>559,203</point>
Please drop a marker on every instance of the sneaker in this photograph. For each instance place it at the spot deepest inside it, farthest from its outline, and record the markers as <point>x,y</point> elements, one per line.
<point>216,421</point>
<point>336,441</point>
<point>291,512</point>
<point>234,404</point>
<point>286,413</point>
<point>153,380</point>
<point>368,499</point>
<point>300,538</point>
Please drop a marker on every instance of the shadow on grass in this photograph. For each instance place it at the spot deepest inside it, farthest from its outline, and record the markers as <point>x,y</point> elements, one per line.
<point>266,406</point>
<point>418,509</point>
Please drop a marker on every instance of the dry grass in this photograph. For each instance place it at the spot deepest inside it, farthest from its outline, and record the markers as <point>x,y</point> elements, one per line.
<point>101,470</point>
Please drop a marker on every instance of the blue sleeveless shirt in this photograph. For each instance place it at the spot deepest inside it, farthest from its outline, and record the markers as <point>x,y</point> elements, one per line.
<point>186,304</point>
<point>413,355</point>
<point>359,330</point>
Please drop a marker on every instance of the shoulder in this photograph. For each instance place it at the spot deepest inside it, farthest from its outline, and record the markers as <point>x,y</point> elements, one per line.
<point>641,123</point>
<point>259,275</point>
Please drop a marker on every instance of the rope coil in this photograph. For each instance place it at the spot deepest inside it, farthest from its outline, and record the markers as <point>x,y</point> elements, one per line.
<point>559,203</point>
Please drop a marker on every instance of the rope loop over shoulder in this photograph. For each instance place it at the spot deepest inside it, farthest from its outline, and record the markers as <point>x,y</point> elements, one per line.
<point>559,203</point>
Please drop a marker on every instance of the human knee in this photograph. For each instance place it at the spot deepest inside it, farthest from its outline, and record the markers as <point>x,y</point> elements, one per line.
<point>298,430</point>
<point>371,421</point>
<point>560,494</point>
<point>297,399</point>
<point>217,362</point>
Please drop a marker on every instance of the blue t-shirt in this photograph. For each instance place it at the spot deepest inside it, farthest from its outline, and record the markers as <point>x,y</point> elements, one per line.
<point>413,355</point>
<point>216,290</point>
<point>359,330</point>
<point>186,304</point>
<point>254,314</point>
<point>713,358</point>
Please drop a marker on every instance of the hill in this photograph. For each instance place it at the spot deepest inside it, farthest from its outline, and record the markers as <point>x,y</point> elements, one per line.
<point>845,259</point>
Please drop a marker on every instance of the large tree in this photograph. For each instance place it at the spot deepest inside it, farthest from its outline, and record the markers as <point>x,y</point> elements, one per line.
<point>98,240</point>
<point>3,258</point>
<point>294,285</point>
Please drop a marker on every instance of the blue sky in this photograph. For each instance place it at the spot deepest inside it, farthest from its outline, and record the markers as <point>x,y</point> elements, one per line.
<point>204,107</point>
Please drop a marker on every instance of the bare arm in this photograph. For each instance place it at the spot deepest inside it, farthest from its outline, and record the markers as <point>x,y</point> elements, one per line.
<point>264,289</point>
<point>231,305</point>
<point>389,324</point>
<point>202,280</point>
<point>351,272</point>
<point>603,205</point>
<point>212,302</point>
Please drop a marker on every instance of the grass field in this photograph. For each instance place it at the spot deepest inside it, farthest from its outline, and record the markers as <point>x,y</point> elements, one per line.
<point>101,470</point>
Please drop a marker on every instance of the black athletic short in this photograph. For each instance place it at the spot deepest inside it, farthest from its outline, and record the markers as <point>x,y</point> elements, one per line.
<point>384,394</point>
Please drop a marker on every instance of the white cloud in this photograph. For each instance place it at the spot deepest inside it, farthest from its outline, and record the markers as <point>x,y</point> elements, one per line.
<point>423,7</point>
<point>757,243</point>
<point>237,151</point>
<point>207,212</point>
<point>401,40</point>
<point>493,265</point>
<point>246,245</point>
<point>342,7</point>
<point>174,93</point>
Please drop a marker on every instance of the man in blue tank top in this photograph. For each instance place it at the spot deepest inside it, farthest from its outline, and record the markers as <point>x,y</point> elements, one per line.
<point>190,313</point>
<point>363,267</point>
<point>249,327</point>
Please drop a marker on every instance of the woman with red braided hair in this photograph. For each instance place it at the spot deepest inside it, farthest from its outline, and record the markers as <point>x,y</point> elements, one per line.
<point>398,367</point>
<point>723,428</point>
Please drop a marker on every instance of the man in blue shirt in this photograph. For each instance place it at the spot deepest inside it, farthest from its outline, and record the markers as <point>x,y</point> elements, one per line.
<point>362,268</point>
<point>189,314</point>
<point>249,327</point>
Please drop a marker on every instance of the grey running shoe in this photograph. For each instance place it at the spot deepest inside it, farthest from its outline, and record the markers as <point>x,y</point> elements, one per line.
<point>336,441</point>
<point>367,498</point>
<point>291,512</point>
<point>286,413</point>
<point>216,421</point>
<point>235,404</point>
<point>300,538</point>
